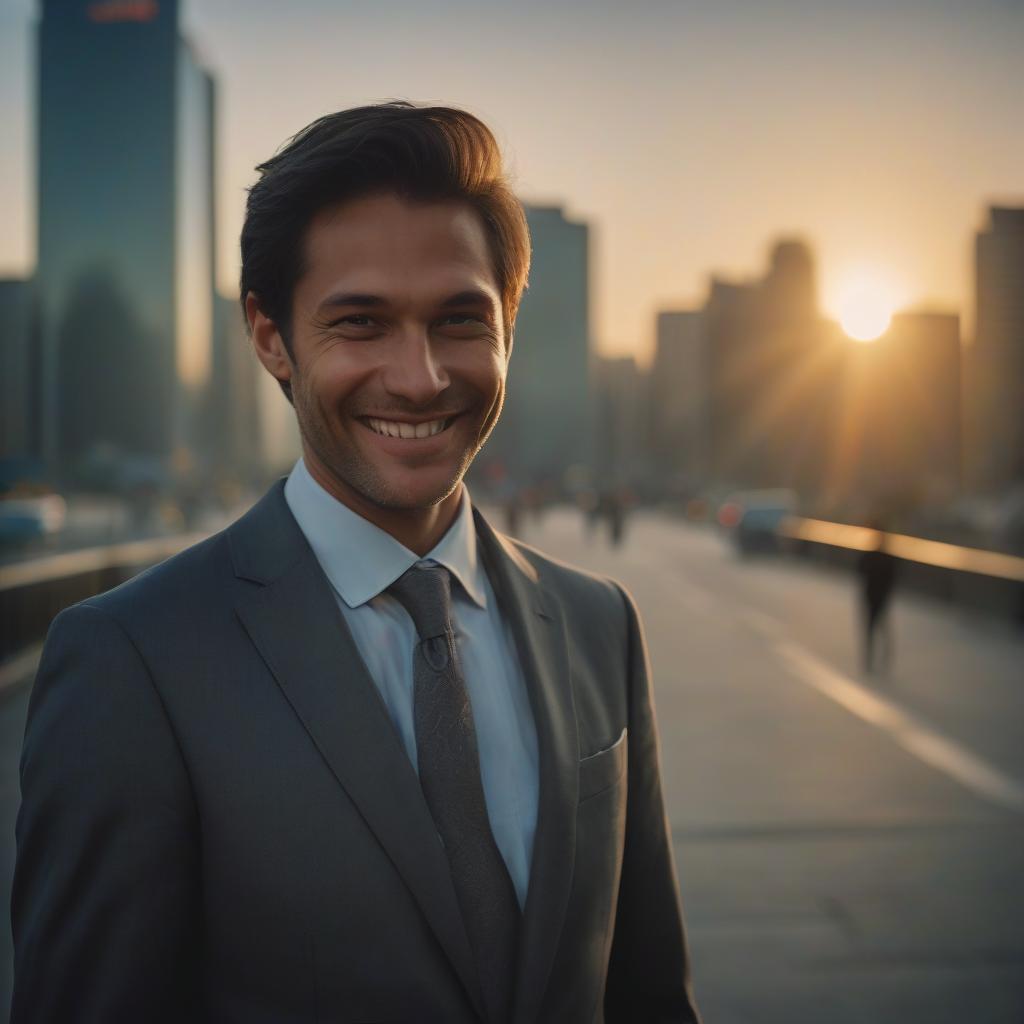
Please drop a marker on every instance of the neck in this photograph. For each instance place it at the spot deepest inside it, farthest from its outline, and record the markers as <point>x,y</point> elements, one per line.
<point>418,529</point>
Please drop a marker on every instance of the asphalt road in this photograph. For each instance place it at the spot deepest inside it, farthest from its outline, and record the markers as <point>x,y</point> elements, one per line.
<point>850,849</point>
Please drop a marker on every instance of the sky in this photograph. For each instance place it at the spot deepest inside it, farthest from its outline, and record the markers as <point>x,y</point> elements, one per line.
<point>689,135</point>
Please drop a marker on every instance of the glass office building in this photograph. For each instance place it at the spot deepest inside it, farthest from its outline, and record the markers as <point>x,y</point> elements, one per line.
<point>546,425</point>
<point>126,232</point>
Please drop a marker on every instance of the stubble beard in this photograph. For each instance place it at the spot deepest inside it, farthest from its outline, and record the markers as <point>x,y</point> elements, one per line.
<point>356,473</point>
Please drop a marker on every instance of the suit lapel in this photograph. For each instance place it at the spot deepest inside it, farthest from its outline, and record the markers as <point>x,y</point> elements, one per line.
<point>538,626</point>
<point>294,621</point>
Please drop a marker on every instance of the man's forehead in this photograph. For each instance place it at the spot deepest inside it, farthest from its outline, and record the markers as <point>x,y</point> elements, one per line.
<point>383,246</point>
<point>378,223</point>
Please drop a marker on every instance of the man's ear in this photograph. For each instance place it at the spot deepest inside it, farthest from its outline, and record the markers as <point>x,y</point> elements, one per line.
<point>267,341</point>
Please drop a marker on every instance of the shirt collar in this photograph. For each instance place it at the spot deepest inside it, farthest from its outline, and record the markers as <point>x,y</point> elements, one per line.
<point>360,559</point>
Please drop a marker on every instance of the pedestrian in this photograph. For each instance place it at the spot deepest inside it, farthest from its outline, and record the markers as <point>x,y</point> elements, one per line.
<point>877,569</point>
<point>359,756</point>
<point>513,514</point>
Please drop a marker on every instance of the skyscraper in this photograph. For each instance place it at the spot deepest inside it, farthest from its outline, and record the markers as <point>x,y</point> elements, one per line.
<point>902,395</point>
<point>621,421</point>
<point>17,370</point>
<point>546,424</point>
<point>774,373</point>
<point>679,407</point>
<point>233,413</point>
<point>125,274</point>
<point>995,360</point>
<point>731,323</point>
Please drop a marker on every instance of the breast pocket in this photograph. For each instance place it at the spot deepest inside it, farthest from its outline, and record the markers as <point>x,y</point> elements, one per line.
<point>602,770</point>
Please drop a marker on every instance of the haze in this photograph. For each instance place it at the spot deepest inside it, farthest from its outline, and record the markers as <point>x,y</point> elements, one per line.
<point>687,134</point>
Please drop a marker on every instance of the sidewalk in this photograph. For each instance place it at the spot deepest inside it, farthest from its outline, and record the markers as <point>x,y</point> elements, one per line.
<point>829,872</point>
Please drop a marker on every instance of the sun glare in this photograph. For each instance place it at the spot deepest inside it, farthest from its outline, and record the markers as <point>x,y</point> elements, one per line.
<point>865,309</point>
<point>865,316</point>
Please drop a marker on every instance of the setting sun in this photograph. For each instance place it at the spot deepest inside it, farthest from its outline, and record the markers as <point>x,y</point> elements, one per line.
<point>865,315</point>
<point>865,305</point>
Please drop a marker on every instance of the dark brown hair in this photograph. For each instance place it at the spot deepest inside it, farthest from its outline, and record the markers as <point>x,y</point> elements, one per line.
<point>420,153</point>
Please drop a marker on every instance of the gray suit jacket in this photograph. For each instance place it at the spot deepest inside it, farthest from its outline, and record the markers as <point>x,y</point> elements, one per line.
<point>219,823</point>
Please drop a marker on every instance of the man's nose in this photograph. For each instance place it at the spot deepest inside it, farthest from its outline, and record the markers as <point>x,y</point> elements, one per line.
<point>413,370</point>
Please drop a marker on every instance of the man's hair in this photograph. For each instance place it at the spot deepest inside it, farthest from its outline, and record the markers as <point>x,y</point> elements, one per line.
<point>423,154</point>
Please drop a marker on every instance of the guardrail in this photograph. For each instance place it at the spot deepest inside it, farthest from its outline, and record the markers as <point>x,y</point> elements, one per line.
<point>34,591</point>
<point>987,580</point>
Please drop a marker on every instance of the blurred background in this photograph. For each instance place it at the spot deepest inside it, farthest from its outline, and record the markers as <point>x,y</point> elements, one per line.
<point>769,372</point>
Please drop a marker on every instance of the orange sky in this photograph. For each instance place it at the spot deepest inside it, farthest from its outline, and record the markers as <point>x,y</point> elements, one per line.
<point>688,135</point>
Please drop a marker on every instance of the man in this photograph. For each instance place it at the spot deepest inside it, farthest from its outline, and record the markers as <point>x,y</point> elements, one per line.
<point>358,757</point>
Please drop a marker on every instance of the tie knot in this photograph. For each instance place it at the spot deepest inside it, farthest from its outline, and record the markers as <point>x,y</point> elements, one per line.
<point>425,591</point>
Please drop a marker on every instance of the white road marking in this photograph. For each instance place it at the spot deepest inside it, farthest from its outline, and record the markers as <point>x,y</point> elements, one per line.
<point>912,735</point>
<point>20,667</point>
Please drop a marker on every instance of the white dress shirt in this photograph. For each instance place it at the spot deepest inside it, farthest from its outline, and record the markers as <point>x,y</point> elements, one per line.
<point>362,561</point>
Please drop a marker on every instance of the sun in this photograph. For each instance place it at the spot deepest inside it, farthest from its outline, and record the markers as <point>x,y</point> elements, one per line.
<point>865,315</point>
<point>865,305</point>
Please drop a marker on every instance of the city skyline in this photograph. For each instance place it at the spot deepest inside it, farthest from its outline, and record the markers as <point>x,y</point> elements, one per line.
<point>707,135</point>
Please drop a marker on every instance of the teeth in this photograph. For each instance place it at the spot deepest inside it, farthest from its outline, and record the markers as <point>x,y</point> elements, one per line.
<point>390,428</point>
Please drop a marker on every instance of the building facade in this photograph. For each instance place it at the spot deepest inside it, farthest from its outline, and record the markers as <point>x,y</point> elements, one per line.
<point>125,234</point>
<point>18,371</point>
<point>900,413</point>
<point>546,425</point>
<point>622,405</point>
<point>232,417</point>
<point>774,372</point>
<point>679,403</point>
<point>994,396</point>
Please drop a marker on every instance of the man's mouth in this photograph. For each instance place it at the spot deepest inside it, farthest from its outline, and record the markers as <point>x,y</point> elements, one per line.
<point>404,429</point>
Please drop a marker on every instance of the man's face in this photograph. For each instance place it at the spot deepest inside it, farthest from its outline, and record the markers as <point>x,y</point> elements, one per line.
<point>399,351</point>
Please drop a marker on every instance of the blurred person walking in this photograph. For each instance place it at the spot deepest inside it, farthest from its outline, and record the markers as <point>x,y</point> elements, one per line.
<point>877,569</point>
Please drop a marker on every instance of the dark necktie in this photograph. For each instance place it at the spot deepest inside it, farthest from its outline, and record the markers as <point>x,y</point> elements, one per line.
<point>449,769</point>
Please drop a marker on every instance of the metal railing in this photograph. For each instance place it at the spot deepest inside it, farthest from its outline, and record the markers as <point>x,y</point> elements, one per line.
<point>987,581</point>
<point>911,549</point>
<point>32,592</point>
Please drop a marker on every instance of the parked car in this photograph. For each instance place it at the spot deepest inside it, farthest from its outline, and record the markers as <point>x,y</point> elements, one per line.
<point>751,519</point>
<point>24,520</point>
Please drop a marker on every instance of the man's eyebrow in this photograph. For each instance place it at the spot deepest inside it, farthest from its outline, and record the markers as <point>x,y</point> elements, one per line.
<point>469,297</point>
<point>351,299</point>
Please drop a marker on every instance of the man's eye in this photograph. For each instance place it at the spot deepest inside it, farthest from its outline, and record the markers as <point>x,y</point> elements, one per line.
<point>461,319</point>
<point>355,320</point>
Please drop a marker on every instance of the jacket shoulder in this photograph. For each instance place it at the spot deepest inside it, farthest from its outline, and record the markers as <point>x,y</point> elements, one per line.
<point>207,577</point>
<point>591,593</point>
<point>193,578</point>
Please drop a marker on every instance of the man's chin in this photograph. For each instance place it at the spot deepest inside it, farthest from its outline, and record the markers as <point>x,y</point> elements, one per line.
<point>399,495</point>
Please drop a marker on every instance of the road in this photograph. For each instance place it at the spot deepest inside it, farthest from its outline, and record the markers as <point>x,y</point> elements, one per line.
<point>850,849</point>
<point>834,868</point>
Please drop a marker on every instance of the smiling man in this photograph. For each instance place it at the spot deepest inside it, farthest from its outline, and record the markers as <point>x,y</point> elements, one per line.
<point>394,356</point>
<point>359,757</point>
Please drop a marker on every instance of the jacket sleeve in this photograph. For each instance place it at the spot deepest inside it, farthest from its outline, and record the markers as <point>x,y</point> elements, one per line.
<point>649,969</point>
<point>104,907</point>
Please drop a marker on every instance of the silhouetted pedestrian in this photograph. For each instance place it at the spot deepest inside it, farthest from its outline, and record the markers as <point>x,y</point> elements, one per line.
<point>513,514</point>
<point>877,569</point>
